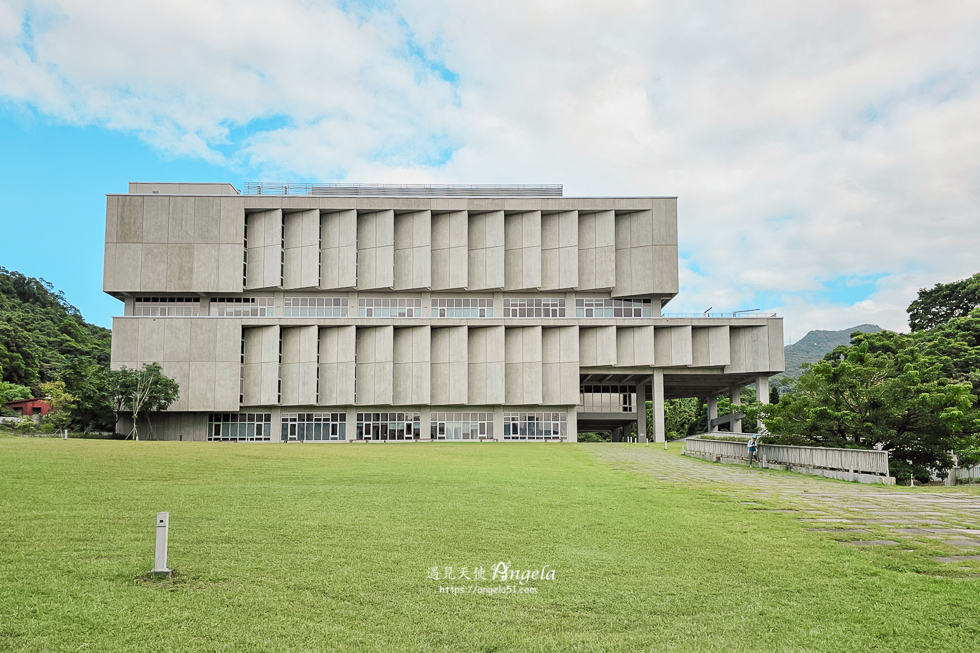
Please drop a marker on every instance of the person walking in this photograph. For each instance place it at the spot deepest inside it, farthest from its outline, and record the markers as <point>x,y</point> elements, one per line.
<point>753,449</point>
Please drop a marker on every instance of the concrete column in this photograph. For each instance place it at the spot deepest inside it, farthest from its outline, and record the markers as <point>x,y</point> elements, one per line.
<point>641,413</point>
<point>498,423</point>
<point>762,395</point>
<point>735,396</point>
<point>712,412</point>
<point>351,423</point>
<point>659,434</point>
<point>425,423</point>
<point>572,424</point>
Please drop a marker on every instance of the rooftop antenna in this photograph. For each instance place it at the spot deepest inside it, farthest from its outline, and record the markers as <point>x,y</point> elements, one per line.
<point>708,309</point>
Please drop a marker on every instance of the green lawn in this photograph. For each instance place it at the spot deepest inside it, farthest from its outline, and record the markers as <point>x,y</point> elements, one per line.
<point>306,547</point>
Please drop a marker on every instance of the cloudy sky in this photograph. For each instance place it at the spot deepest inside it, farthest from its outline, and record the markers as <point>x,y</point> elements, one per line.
<point>826,156</point>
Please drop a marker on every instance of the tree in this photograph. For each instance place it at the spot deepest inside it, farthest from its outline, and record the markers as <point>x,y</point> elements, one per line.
<point>62,403</point>
<point>142,391</point>
<point>90,382</point>
<point>13,392</point>
<point>943,302</point>
<point>887,391</point>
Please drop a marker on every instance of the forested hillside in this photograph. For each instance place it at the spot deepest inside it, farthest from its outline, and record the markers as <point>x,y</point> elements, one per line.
<point>43,339</point>
<point>817,344</point>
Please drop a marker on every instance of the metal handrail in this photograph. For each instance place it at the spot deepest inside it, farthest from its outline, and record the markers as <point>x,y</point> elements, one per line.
<point>871,461</point>
<point>403,190</point>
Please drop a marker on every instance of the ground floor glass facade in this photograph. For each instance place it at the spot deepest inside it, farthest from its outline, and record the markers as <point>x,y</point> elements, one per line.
<point>313,427</point>
<point>535,426</point>
<point>239,427</point>
<point>388,426</point>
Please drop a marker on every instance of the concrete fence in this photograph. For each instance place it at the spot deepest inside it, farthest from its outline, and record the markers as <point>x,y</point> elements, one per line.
<point>863,466</point>
<point>968,474</point>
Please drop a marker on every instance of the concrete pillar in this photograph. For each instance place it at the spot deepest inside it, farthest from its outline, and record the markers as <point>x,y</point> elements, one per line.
<point>425,423</point>
<point>351,423</point>
<point>712,412</point>
<point>498,423</point>
<point>572,424</point>
<point>762,395</point>
<point>735,396</point>
<point>641,413</point>
<point>659,434</point>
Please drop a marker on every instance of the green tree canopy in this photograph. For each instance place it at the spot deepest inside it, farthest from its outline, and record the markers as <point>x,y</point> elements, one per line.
<point>944,301</point>
<point>142,391</point>
<point>43,339</point>
<point>897,392</point>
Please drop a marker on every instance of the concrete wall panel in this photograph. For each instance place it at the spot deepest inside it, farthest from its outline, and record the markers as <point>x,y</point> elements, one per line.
<point>375,250</point>
<point>207,220</point>
<point>413,252</point>
<point>710,346</point>
<point>180,267</point>
<point>597,345</point>
<point>449,250</point>
<point>522,251</point>
<point>125,342</point>
<point>264,268</point>
<point>411,366</point>
<point>673,346</point>
<point>302,249</point>
<point>231,222</point>
<point>129,220</point>
<point>156,220</point>
<point>596,250</point>
<point>560,365</point>
<point>486,251</point>
<point>261,366</point>
<point>337,367</point>
<point>299,366</point>
<point>181,227</point>
<point>523,361</point>
<point>200,387</point>
<point>635,346</point>
<point>449,374</point>
<point>374,365</point>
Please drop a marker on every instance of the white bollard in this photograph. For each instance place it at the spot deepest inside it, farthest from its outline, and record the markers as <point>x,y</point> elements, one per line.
<point>163,528</point>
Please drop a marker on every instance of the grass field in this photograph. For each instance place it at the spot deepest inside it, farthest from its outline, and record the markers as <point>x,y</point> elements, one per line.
<point>286,547</point>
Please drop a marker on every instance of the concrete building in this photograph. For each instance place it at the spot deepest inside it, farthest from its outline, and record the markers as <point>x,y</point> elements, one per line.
<point>347,313</point>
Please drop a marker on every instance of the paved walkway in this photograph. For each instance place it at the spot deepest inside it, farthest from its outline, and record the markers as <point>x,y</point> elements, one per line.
<point>887,515</point>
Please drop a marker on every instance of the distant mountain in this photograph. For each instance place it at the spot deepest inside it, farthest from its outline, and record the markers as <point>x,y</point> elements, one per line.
<point>816,344</point>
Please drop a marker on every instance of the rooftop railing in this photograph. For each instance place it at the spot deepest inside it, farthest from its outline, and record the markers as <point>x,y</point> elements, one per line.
<point>403,190</point>
<point>733,314</point>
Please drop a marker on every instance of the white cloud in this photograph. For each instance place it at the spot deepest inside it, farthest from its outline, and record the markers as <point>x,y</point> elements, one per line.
<point>806,142</point>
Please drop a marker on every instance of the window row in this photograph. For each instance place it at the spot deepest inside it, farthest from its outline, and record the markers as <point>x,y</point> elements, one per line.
<point>389,307</point>
<point>393,307</point>
<point>534,307</point>
<point>461,426</point>
<point>462,307</point>
<point>314,307</point>
<point>323,427</point>
<point>313,427</point>
<point>167,307</point>
<point>243,306</point>
<point>388,426</point>
<point>608,398</point>
<point>535,426</point>
<point>239,427</point>
<point>606,307</point>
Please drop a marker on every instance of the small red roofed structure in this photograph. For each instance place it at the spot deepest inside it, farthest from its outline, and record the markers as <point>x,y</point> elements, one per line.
<point>30,407</point>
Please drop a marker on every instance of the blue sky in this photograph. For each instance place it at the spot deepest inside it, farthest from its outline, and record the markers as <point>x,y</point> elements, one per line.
<point>824,157</point>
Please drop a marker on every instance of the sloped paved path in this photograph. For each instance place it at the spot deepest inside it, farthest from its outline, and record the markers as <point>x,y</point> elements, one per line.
<point>824,505</point>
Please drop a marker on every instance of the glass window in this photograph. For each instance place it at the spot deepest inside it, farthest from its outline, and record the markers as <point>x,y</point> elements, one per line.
<point>239,427</point>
